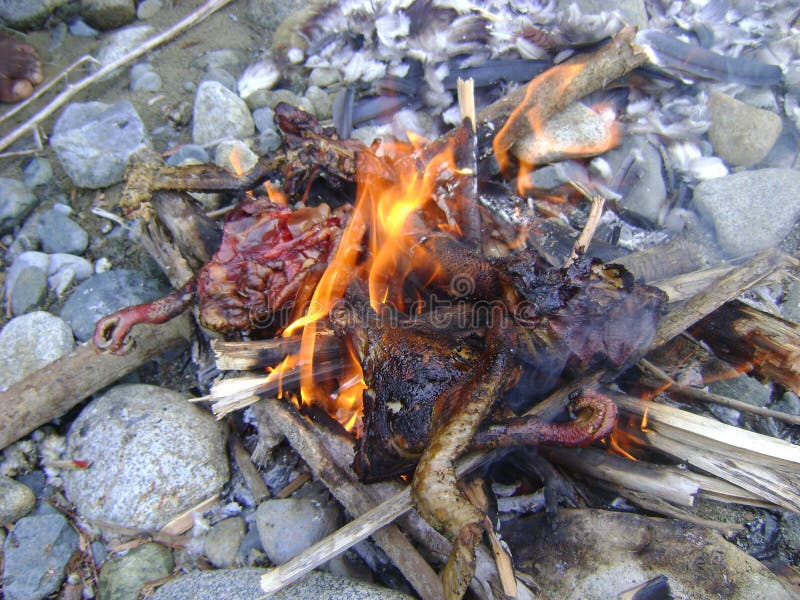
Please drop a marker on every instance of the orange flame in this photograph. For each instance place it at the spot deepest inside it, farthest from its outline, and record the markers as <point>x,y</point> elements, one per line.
<point>388,216</point>
<point>525,133</point>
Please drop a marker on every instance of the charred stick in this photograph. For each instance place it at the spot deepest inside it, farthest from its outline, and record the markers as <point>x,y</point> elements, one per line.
<point>725,288</point>
<point>558,87</point>
<point>196,235</point>
<point>703,396</point>
<point>53,390</point>
<point>752,339</point>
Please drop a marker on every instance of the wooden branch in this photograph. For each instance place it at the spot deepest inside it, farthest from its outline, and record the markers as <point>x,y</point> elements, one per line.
<point>724,289</point>
<point>751,339</point>
<point>587,233</point>
<point>61,99</point>
<point>558,87</point>
<point>249,471</point>
<point>765,466</point>
<point>53,390</point>
<point>703,396</point>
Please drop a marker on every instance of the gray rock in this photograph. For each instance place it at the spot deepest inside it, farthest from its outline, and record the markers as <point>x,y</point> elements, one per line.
<point>108,14</point>
<point>223,540</point>
<point>791,302</point>
<point>29,291</point>
<point>122,577</point>
<point>235,156</point>
<point>30,342</point>
<point>105,293</point>
<point>27,14</point>
<point>223,58</point>
<point>632,12</point>
<point>148,9</point>
<point>80,28</point>
<point>789,403</point>
<point>268,141</point>
<point>16,500</point>
<point>324,77</point>
<point>742,134</point>
<point>308,519</point>
<point>222,77</point>
<point>144,78</point>
<point>94,140</point>
<point>219,114</point>
<point>36,554</point>
<point>153,456</point>
<point>192,152</point>
<point>743,388</point>
<point>26,239</point>
<point>750,210</point>
<point>119,43</point>
<point>63,269</point>
<point>565,136</point>
<point>642,187</point>
<point>271,98</point>
<point>264,119</point>
<point>37,171</point>
<point>243,584</point>
<point>16,201</point>
<point>59,233</point>
<point>321,102</point>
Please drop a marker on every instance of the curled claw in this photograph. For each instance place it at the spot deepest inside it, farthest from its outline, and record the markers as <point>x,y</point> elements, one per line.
<point>111,332</point>
<point>595,413</point>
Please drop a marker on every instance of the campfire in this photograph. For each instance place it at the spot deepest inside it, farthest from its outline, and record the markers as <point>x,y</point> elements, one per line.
<point>378,286</point>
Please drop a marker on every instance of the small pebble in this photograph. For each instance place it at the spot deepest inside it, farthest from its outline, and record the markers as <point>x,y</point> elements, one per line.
<point>309,520</point>
<point>148,9</point>
<point>191,152</point>
<point>223,58</point>
<point>219,114</point>
<point>235,156</point>
<point>109,14</point>
<point>37,171</point>
<point>742,134</point>
<point>16,500</point>
<point>16,201</point>
<point>264,119</point>
<point>144,78</point>
<point>36,554</point>
<point>119,43</point>
<point>29,291</point>
<point>321,101</point>
<point>124,576</point>
<point>222,77</point>
<point>59,233</point>
<point>30,342</point>
<point>94,141</point>
<point>80,28</point>
<point>223,540</point>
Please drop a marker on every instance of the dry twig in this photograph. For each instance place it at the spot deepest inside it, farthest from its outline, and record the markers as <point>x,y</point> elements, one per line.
<point>61,99</point>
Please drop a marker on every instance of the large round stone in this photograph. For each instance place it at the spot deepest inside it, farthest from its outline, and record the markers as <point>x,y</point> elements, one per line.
<point>152,454</point>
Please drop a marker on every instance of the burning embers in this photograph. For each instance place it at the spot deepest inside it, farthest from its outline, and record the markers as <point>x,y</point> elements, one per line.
<point>436,316</point>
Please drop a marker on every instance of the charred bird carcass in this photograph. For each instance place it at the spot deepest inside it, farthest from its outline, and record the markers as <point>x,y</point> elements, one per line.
<point>434,389</point>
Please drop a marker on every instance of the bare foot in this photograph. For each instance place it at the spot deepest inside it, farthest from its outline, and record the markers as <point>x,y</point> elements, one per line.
<point>20,69</point>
